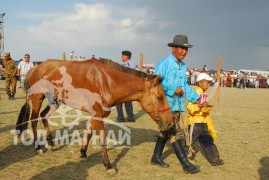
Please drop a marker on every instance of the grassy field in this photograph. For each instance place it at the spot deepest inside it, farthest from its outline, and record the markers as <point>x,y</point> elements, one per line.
<point>243,141</point>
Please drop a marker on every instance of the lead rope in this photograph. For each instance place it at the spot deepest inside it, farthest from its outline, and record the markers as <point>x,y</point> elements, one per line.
<point>188,132</point>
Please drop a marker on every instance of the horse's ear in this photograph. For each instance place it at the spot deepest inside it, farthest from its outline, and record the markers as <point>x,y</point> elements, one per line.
<point>157,80</point>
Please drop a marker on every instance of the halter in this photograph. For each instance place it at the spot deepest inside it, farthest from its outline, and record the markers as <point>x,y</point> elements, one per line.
<point>156,110</point>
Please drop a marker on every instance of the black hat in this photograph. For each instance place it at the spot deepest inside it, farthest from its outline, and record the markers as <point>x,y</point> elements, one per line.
<point>127,53</point>
<point>180,41</point>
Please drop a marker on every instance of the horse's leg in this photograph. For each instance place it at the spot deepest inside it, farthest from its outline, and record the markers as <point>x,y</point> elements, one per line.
<point>37,100</point>
<point>103,142</point>
<point>99,124</point>
<point>86,141</point>
<point>96,124</point>
<point>45,115</point>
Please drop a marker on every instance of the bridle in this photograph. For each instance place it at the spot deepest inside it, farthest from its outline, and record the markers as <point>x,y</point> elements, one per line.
<point>150,102</point>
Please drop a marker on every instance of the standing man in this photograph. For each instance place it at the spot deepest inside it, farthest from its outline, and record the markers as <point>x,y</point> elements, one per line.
<point>23,67</point>
<point>126,59</point>
<point>175,84</point>
<point>10,71</point>
<point>204,68</point>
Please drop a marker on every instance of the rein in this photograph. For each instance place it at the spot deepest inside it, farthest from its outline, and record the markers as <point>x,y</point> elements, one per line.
<point>156,110</point>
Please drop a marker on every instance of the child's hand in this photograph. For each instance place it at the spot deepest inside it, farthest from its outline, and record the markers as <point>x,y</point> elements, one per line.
<point>204,104</point>
<point>207,110</point>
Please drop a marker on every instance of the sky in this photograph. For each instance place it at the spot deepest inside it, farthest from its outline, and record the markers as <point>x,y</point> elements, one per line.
<point>236,30</point>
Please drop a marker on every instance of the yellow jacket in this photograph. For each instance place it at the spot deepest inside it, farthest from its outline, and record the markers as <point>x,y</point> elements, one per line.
<point>197,115</point>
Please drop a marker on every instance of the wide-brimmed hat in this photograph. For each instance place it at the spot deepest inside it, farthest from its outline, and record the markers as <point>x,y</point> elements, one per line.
<point>126,53</point>
<point>180,41</point>
<point>204,76</point>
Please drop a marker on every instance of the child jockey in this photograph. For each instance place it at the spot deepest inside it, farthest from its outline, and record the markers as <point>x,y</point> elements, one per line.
<point>200,125</point>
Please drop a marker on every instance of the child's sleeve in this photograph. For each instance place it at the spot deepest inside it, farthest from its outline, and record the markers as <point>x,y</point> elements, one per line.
<point>207,110</point>
<point>211,128</point>
<point>192,108</point>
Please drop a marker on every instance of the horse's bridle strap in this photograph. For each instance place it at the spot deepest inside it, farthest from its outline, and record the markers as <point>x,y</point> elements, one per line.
<point>159,110</point>
<point>164,109</point>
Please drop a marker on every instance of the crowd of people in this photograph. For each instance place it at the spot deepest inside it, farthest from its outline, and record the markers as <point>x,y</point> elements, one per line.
<point>228,78</point>
<point>232,79</point>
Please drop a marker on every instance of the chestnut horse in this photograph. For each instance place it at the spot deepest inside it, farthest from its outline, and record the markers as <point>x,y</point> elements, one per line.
<point>91,86</point>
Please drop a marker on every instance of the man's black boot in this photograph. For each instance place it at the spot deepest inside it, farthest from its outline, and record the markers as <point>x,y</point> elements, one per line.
<point>182,157</point>
<point>156,157</point>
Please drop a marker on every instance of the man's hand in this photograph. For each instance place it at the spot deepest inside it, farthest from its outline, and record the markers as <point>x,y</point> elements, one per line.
<point>1,68</point>
<point>179,91</point>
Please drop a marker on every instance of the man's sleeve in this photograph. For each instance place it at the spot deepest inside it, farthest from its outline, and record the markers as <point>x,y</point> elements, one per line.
<point>32,65</point>
<point>167,83</point>
<point>15,67</point>
<point>19,66</point>
<point>191,95</point>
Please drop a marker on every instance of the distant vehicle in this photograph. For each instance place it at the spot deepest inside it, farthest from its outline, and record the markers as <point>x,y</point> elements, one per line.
<point>254,72</point>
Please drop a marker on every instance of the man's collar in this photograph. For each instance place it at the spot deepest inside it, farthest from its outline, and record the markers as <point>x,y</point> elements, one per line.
<point>126,62</point>
<point>175,59</point>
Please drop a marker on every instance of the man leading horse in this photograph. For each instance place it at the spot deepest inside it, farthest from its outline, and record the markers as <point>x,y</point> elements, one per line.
<point>173,71</point>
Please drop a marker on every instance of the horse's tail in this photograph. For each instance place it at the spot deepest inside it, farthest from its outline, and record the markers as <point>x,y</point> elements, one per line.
<point>23,118</point>
<point>24,115</point>
<point>27,79</point>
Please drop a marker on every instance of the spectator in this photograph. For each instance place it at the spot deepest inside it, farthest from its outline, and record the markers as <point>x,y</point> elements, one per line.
<point>24,67</point>
<point>257,81</point>
<point>241,79</point>
<point>204,68</point>
<point>10,71</point>
<point>126,59</point>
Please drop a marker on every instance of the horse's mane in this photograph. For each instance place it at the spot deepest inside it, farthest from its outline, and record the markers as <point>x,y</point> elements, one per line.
<point>125,69</point>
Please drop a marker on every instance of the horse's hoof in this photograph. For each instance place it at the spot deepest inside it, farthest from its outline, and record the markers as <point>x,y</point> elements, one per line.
<point>83,158</point>
<point>49,148</point>
<point>39,151</point>
<point>111,170</point>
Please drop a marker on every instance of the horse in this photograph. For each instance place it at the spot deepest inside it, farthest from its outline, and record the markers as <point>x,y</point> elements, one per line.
<point>92,86</point>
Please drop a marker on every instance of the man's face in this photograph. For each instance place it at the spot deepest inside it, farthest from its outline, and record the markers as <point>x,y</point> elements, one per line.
<point>7,57</point>
<point>125,58</point>
<point>180,52</point>
<point>26,58</point>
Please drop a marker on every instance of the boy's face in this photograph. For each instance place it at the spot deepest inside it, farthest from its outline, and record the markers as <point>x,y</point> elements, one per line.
<point>204,84</point>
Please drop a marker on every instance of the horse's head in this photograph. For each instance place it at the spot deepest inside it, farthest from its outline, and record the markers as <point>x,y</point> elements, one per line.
<point>154,102</point>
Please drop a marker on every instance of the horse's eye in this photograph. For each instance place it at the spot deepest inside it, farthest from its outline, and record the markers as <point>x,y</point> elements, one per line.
<point>160,98</point>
